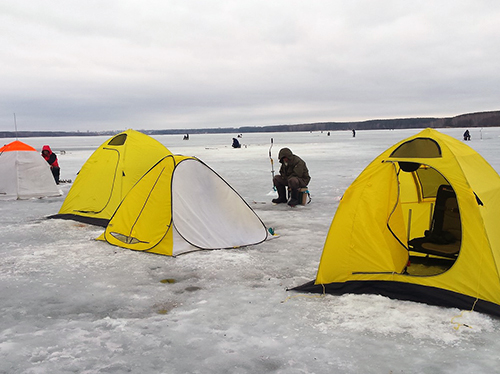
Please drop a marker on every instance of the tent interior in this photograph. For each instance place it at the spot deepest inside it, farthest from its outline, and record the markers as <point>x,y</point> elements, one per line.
<point>429,208</point>
<point>432,219</point>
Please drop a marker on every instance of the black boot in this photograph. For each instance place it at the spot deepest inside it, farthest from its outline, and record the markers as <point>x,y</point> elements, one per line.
<point>294,198</point>
<point>281,195</point>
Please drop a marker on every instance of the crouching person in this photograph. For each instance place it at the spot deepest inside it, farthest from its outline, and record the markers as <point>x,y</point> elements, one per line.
<point>51,159</point>
<point>293,174</point>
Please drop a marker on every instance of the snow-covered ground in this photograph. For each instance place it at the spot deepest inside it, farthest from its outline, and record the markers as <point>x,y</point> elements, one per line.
<point>70,304</point>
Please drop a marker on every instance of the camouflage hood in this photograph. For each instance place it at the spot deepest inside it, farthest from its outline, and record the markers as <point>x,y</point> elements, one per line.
<point>285,152</point>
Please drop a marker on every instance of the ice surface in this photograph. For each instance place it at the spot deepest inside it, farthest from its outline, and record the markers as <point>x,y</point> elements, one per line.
<point>72,304</point>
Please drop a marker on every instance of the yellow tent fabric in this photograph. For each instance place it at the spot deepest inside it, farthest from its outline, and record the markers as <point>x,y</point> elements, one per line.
<point>367,247</point>
<point>181,205</point>
<point>108,175</point>
<point>137,224</point>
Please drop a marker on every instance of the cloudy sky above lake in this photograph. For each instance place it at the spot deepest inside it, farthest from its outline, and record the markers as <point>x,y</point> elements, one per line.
<point>173,64</point>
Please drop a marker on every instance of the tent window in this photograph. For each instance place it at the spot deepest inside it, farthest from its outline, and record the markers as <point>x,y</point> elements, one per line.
<point>418,148</point>
<point>429,180</point>
<point>126,239</point>
<point>118,140</point>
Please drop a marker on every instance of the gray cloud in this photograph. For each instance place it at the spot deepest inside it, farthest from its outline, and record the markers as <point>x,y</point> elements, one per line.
<point>184,64</point>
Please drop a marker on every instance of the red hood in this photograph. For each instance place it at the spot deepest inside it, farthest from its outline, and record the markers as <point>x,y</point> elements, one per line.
<point>46,148</point>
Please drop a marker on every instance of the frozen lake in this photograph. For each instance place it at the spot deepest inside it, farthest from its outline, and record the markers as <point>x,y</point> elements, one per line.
<point>70,304</point>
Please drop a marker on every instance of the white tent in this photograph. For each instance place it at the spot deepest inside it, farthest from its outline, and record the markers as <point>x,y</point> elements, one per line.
<point>181,205</point>
<point>24,174</point>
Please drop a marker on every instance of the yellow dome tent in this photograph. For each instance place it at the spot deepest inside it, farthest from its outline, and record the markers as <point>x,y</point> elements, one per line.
<point>419,223</point>
<point>181,205</point>
<point>107,176</point>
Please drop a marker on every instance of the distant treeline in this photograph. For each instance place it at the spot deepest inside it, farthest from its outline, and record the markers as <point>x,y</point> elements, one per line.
<point>481,119</point>
<point>52,134</point>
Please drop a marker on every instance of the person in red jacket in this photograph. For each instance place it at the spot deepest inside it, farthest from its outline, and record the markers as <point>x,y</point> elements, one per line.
<point>51,159</point>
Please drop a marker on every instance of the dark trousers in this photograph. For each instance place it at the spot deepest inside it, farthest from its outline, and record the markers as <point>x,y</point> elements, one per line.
<point>55,172</point>
<point>293,183</point>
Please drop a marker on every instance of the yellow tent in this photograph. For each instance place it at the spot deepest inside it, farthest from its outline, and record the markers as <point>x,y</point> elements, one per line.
<point>419,223</point>
<point>109,173</point>
<point>181,205</point>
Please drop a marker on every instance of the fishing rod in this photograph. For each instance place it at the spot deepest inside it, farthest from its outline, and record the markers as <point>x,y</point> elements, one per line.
<point>272,162</point>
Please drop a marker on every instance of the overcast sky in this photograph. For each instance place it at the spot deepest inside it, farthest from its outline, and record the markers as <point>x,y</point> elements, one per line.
<point>165,64</point>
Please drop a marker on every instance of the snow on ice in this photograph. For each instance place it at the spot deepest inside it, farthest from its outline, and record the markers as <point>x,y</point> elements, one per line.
<point>70,304</point>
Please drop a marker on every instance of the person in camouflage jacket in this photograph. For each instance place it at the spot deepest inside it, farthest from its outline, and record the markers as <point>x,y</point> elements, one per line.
<point>293,174</point>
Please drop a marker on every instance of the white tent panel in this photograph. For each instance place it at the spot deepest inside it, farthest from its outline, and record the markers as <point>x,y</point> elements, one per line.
<point>25,175</point>
<point>8,176</point>
<point>208,213</point>
<point>35,177</point>
<point>180,245</point>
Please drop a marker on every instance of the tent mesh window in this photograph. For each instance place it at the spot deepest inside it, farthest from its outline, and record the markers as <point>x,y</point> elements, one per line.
<point>418,148</point>
<point>429,180</point>
<point>118,140</point>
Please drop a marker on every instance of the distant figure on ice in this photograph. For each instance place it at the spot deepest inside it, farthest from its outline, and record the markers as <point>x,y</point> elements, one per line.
<point>51,159</point>
<point>293,174</point>
<point>467,135</point>
<point>236,143</point>
<point>353,133</point>
<point>186,137</point>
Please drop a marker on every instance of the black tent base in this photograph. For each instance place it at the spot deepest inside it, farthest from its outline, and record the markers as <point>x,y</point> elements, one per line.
<point>91,221</point>
<point>405,291</point>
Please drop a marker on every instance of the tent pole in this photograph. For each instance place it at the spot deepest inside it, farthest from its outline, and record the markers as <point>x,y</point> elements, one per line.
<point>409,225</point>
